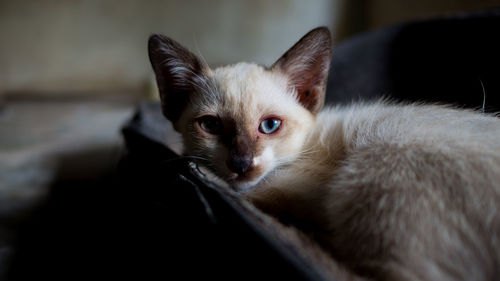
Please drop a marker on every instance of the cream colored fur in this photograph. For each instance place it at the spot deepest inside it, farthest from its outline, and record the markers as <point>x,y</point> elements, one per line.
<point>399,192</point>
<point>391,191</point>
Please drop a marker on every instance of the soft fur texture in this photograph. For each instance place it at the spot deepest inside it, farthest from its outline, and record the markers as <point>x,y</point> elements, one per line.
<point>394,192</point>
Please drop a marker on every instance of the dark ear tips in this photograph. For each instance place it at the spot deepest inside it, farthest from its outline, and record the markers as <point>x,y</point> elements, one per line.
<point>323,30</point>
<point>157,42</point>
<point>158,45</point>
<point>324,37</point>
<point>322,33</point>
<point>153,40</point>
<point>177,72</point>
<point>316,42</point>
<point>306,65</point>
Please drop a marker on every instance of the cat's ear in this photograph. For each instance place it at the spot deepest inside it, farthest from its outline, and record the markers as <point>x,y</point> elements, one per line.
<point>178,73</point>
<point>306,65</point>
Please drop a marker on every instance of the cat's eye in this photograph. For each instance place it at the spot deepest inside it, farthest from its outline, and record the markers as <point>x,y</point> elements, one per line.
<point>210,124</point>
<point>269,125</point>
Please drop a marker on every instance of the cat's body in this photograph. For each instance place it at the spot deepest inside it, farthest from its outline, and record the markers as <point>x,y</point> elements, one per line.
<point>399,192</point>
<point>395,192</point>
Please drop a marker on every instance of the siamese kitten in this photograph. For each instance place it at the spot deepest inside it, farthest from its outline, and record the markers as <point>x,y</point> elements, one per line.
<point>394,192</point>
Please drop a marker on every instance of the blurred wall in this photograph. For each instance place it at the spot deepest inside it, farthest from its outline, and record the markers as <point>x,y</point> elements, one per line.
<point>57,47</point>
<point>66,48</point>
<point>354,16</point>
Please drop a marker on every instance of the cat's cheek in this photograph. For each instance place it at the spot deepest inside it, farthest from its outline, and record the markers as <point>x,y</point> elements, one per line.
<point>263,163</point>
<point>264,158</point>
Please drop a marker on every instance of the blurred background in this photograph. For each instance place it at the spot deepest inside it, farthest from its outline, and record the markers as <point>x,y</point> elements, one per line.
<point>56,48</point>
<point>71,72</point>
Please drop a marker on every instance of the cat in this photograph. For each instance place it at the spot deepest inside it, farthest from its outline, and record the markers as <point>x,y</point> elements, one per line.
<point>392,191</point>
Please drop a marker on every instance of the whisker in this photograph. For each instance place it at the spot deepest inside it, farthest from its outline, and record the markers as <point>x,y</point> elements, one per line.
<point>484,96</point>
<point>187,157</point>
<point>200,55</point>
<point>298,155</point>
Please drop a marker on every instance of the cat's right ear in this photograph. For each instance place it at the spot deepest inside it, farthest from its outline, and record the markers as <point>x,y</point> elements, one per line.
<point>178,74</point>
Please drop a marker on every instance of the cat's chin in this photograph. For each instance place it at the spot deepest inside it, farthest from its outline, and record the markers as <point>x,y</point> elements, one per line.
<point>247,182</point>
<point>244,185</point>
<point>238,184</point>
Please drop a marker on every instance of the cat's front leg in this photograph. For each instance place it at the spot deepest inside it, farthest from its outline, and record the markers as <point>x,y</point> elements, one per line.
<point>270,200</point>
<point>291,204</point>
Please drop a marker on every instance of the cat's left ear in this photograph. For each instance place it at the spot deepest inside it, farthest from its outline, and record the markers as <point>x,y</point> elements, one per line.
<point>306,65</point>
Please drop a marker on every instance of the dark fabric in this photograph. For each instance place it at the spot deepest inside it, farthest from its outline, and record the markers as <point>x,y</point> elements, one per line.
<point>442,60</point>
<point>196,227</point>
<point>156,219</point>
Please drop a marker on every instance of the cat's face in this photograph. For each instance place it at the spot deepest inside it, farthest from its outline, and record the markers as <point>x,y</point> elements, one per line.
<point>249,125</point>
<point>244,120</point>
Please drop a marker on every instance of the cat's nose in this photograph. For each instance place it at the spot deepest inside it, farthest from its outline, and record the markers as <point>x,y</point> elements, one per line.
<point>239,163</point>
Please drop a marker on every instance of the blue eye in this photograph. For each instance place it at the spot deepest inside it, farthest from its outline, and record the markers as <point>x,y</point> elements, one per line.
<point>269,125</point>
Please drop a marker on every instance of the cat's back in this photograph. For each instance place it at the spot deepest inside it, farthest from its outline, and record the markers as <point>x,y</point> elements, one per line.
<point>420,185</point>
<point>445,144</point>
<point>413,123</point>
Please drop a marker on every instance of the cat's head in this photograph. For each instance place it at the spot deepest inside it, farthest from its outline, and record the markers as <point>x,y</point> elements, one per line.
<point>244,120</point>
